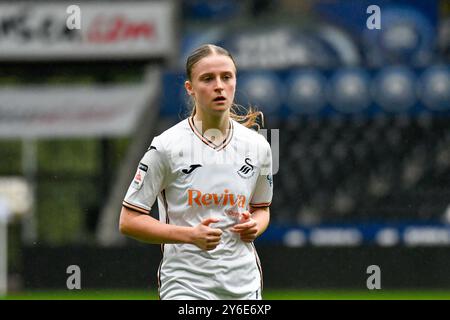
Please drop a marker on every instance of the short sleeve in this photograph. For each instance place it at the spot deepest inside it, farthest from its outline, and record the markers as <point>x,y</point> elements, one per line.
<point>262,195</point>
<point>148,180</point>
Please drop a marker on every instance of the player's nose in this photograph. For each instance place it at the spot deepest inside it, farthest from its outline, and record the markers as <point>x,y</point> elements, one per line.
<point>219,84</point>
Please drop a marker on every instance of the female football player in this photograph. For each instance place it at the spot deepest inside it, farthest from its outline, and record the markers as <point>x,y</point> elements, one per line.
<point>211,174</point>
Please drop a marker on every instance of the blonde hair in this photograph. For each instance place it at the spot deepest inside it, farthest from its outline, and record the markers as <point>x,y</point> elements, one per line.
<point>247,117</point>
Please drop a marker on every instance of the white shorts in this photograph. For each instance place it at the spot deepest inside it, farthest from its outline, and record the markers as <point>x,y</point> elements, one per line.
<point>195,295</point>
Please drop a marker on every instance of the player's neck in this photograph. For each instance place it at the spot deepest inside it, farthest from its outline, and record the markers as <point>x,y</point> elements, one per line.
<point>206,124</point>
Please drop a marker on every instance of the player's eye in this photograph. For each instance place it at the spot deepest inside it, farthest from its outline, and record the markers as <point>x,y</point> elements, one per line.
<point>207,79</point>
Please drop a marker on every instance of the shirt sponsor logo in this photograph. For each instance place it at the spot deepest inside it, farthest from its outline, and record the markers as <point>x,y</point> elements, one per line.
<point>200,199</point>
<point>233,213</point>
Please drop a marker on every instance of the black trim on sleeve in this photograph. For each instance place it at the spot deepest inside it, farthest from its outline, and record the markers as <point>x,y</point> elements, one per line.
<point>135,208</point>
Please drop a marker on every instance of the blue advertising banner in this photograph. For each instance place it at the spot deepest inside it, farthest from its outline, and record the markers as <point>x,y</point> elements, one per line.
<point>411,234</point>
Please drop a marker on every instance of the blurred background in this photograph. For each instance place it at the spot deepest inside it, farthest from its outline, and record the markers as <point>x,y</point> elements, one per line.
<point>362,147</point>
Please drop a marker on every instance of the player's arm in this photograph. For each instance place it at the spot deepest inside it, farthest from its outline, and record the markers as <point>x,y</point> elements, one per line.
<point>262,218</point>
<point>145,228</point>
<point>255,221</point>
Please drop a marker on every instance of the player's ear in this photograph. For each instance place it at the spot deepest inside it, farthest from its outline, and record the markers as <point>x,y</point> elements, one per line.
<point>188,87</point>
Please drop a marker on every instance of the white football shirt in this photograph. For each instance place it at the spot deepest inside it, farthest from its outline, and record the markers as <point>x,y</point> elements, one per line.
<point>195,179</point>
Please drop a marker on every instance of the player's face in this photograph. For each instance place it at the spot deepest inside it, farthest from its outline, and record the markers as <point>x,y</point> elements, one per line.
<point>213,84</point>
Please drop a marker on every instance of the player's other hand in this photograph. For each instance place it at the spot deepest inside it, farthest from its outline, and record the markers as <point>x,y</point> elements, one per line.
<point>247,228</point>
<point>205,237</point>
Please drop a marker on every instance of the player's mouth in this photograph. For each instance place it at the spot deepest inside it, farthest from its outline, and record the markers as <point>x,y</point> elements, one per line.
<point>220,99</point>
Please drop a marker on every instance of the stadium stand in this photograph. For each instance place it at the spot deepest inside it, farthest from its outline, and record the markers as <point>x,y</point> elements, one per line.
<point>339,164</point>
<point>366,170</point>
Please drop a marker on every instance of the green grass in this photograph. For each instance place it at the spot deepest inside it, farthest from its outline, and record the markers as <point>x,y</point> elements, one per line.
<point>357,295</point>
<point>88,294</point>
<point>268,295</point>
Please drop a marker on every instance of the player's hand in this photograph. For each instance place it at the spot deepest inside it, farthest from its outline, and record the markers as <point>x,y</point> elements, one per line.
<point>247,228</point>
<point>205,237</point>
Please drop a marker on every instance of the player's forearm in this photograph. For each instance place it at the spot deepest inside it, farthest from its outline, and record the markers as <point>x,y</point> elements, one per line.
<point>262,218</point>
<point>147,229</point>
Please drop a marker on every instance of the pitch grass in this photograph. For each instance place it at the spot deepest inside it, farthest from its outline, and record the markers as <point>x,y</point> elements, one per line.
<point>381,294</point>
